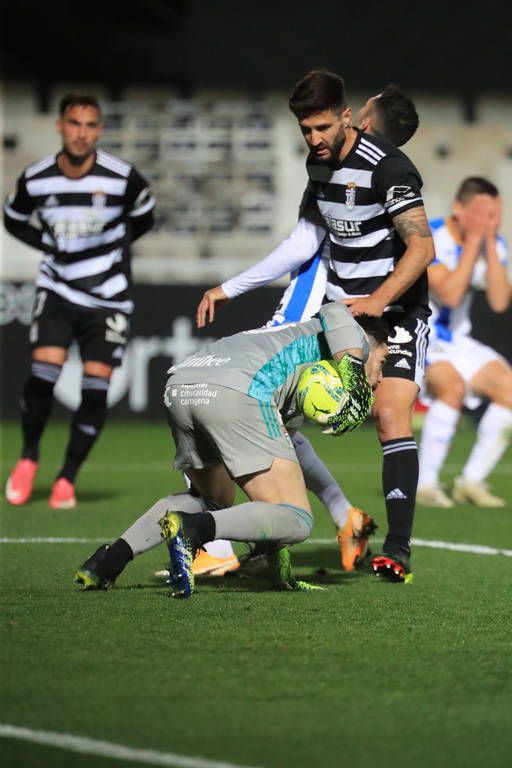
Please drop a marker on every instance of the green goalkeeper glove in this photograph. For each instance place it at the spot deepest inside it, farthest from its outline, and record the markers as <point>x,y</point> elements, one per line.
<point>360,397</point>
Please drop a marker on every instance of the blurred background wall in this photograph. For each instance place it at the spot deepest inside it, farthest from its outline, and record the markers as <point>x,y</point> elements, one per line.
<point>195,94</point>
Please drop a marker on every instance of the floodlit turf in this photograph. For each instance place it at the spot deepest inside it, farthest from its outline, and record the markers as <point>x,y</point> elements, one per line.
<point>363,674</point>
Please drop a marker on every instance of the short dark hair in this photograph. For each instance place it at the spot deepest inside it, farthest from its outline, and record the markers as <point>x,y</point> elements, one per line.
<point>376,327</point>
<point>78,100</point>
<point>317,91</point>
<point>475,185</point>
<point>396,118</point>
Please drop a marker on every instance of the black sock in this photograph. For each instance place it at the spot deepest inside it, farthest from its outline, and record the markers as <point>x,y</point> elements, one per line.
<point>200,527</point>
<point>36,404</point>
<point>399,481</point>
<point>117,558</point>
<point>262,548</point>
<point>86,425</point>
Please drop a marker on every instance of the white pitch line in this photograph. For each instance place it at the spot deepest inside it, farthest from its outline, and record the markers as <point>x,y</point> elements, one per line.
<point>48,540</point>
<point>474,549</point>
<point>452,546</point>
<point>88,746</point>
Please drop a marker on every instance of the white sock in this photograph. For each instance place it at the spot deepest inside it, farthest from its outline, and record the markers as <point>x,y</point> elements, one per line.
<point>492,437</point>
<point>436,437</point>
<point>320,481</point>
<point>219,548</point>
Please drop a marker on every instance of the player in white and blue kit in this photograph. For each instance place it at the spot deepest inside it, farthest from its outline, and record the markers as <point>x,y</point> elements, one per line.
<point>470,254</point>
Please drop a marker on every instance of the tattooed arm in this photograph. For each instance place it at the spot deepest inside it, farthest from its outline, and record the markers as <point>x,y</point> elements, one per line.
<point>412,226</point>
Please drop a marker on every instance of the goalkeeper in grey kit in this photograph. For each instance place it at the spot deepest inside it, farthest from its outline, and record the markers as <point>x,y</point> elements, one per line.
<point>228,406</point>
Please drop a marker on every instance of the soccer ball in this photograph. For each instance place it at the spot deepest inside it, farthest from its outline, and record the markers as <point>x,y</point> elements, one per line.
<point>320,392</point>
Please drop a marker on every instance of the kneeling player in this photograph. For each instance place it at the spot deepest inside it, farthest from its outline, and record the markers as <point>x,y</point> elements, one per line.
<point>228,405</point>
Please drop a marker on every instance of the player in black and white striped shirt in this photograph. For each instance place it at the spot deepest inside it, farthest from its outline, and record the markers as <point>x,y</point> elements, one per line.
<point>364,194</point>
<point>89,207</point>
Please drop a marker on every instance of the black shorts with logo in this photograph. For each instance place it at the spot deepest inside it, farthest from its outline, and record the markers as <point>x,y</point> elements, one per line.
<point>101,334</point>
<point>407,344</point>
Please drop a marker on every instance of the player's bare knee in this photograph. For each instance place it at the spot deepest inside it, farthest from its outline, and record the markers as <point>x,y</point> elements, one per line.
<point>502,389</point>
<point>446,384</point>
<point>219,498</point>
<point>102,370</point>
<point>503,396</point>
<point>452,393</point>
<point>494,381</point>
<point>52,355</point>
<point>392,420</point>
<point>225,497</point>
<point>214,484</point>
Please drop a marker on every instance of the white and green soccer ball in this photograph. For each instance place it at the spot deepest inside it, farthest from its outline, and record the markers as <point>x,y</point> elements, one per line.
<point>320,392</point>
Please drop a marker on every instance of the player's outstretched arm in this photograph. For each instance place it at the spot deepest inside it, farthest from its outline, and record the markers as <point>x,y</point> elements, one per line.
<point>300,246</point>
<point>412,226</point>
<point>214,297</point>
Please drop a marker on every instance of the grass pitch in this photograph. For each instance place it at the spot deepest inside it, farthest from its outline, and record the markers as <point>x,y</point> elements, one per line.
<point>363,674</point>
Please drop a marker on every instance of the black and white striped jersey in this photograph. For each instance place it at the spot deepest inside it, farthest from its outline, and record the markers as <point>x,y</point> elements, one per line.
<point>87,225</point>
<point>356,201</point>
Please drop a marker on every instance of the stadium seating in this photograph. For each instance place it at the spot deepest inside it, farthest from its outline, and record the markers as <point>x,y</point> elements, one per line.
<point>228,173</point>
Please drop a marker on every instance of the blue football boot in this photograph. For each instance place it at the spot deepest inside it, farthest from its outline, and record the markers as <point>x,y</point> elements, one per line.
<point>181,553</point>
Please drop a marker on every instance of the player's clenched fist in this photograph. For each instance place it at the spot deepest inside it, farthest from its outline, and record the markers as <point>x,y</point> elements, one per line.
<point>206,307</point>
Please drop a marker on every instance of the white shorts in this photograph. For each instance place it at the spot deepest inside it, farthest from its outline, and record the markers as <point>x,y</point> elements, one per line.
<point>468,356</point>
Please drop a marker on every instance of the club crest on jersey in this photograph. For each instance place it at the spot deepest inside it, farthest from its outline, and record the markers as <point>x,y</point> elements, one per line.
<point>99,199</point>
<point>350,195</point>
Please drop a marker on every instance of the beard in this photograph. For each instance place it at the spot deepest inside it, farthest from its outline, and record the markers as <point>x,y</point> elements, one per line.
<point>334,149</point>
<point>77,159</point>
